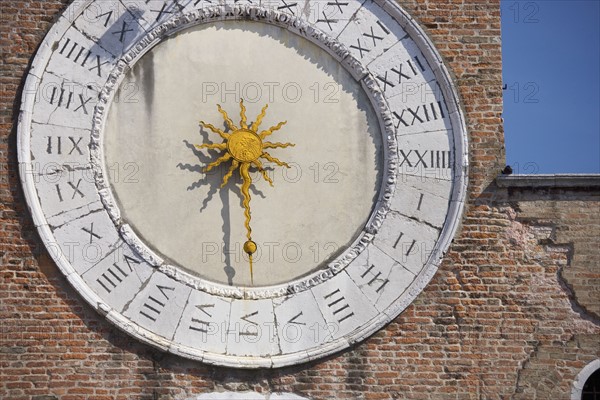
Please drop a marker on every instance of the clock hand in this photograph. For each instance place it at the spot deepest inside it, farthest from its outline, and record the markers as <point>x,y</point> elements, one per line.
<point>244,146</point>
<point>249,246</point>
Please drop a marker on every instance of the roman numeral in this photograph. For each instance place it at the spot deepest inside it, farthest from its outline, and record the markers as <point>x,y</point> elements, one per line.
<point>108,17</point>
<point>338,4</point>
<point>420,202</point>
<point>376,278</point>
<point>198,324</point>
<point>410,247</point>
<point>76,53</point>
<point>54,145</point>
<point>294,321</point>
<point>122,32</point>
<point>161,12</point>
<point>338,305</point>
<point>153,306</point>
<point>90,231</point>
<point>375,37</point>
<point>75,145</point>
<point>247,319</point>
<point>427,159</point>
<point>59,193</point>
<point>115,274</point>
<point>360,49</point>
<point>64,99</point>
<point>50,149</point>
<point>376,34</point>
<point>166,9</point>
<point>287,6</point>
<point>394,76</point>
<point>424,113</point>
<point>327,21</point>
<point>75,188</point>
<point>398,240</point>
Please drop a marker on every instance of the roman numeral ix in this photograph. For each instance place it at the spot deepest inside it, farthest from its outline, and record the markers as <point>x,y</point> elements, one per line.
<point>74,187</point>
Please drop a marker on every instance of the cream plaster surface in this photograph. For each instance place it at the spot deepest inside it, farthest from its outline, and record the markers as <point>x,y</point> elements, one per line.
<point>316,207</point>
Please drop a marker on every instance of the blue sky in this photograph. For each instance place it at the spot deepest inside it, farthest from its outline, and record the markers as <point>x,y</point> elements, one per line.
<point>551,69</point>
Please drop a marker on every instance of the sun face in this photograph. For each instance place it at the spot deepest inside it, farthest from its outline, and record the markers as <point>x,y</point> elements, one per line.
<point>244,147</point>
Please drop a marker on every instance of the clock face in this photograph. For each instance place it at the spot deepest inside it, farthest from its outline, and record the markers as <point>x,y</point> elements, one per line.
<point>316,208</point>
<point>344,107</point>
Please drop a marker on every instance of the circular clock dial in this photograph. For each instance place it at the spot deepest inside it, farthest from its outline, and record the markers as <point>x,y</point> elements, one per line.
<point>111,158</point>
<point>315,208</point>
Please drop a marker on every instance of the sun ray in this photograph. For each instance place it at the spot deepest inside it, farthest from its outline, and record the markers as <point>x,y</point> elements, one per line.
<point>270,145</point>
<point>259,118</point>
<point>274,160</point>
<point>234,165</point>
<point>228,120</point>
<point>243,120</point>
<point>259,165</point>
<point>215,130</point>
<point>272,129</point>
<point>220,160</point>
<point>214,146</point>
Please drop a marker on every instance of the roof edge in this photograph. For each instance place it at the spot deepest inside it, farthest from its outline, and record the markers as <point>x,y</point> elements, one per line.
<point>549,181</point>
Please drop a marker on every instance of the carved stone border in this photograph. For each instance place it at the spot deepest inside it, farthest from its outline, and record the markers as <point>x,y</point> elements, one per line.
<point>303,29</point>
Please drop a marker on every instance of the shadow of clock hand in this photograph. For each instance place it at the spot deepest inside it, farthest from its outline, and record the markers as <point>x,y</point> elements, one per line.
<point>199,168</point>
<point>228,269</point>
<point>214,179</point>
<point>255,192</point>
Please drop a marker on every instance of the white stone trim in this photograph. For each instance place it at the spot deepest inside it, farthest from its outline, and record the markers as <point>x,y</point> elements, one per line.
<point>582,377</point>
<point>549,181</point>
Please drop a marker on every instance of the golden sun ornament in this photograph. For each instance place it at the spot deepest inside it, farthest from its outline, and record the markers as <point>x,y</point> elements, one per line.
<point>244,146</point>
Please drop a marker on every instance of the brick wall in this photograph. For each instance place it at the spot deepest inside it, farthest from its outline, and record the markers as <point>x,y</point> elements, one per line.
<point>572,219</point>
<point>511,314</point>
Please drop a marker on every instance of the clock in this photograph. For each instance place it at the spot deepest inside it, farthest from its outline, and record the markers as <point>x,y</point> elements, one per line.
<point>248,184</point>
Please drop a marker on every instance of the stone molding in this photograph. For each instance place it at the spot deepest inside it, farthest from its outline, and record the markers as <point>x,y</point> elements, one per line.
<point>549,181</point>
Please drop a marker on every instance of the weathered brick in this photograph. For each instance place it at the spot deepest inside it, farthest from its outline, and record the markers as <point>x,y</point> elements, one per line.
<point>512,312</point>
